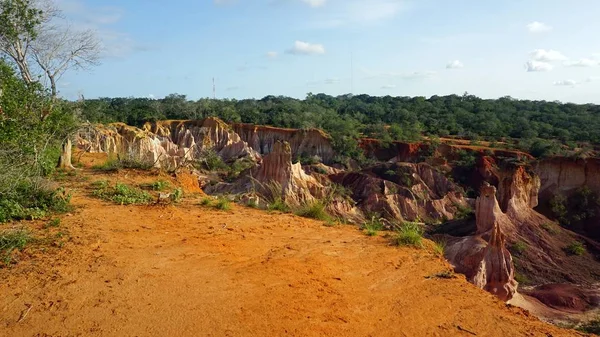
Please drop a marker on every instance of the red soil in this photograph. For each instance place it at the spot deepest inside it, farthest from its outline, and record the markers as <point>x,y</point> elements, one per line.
<point>186,270</point>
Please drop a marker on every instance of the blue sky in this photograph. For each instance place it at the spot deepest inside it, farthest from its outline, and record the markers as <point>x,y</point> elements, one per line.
<point>530,49</point>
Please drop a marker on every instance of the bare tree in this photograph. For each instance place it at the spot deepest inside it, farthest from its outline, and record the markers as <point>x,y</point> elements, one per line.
<point>43,45</point>
<point>60,48</point>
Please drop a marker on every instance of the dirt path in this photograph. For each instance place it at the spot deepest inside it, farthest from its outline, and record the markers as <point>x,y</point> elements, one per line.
<point>191,271</point>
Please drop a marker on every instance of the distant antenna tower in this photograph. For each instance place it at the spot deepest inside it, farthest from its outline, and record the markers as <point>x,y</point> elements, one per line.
<point>351,73</point>
<point>214,89</point>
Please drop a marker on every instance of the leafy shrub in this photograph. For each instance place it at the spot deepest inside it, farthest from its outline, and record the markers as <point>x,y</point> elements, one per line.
<point>314,210</point>
<point>576,248</point>
<point>208,159</point>
<point>177,194</point>
<point>33,201</point>
<point>463,212</point>
<point>410,234</point>
<point>238,167</point>
<point>11,240</point>
<point>122,194</point>
<point>466,159</point>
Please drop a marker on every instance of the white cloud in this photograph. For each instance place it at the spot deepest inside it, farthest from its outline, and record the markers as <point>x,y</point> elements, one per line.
<point>566,83</point>
<point>538,27</point>
<point>547,55</point>
<point>388,86</point>
<point>533,66</point>
<point>305,48</point>
<point>151,96</point>
<point>272,54</point>
<point>456,64</point>
<point>315,3</point>
<point>584,62</point>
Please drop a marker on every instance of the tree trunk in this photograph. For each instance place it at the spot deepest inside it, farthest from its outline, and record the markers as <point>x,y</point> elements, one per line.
<point>64,161</point>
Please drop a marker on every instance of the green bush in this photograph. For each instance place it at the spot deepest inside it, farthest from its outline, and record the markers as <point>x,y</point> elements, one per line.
<point>33,201</point>
<point>208,159</point>
<point>122,194</point>
<point>410,234</point>
<point>11,240</point>
<point>177,194</point>
<point>314,210</point>
<point>576,248</point>
<point>463,212</point>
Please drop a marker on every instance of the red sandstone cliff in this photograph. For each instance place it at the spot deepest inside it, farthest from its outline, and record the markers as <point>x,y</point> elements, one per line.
<point>303,143</point>
<point>483,258</point>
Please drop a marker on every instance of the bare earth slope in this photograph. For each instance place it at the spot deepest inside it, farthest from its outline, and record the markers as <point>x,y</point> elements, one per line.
<point>186,270</point>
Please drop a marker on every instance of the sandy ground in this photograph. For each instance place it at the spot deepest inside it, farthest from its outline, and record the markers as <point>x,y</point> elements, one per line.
<point>188,270</point>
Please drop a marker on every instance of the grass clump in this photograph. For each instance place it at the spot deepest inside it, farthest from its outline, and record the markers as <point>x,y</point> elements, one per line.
<point>252,203</point>
<point>53,223</point>
<point>159,185</point>
<point>521,278</point>
<point>11,240</point>
<point>222,204</point>
<point>206,201</point>
<point>550,228</point>
<point>410,234</point>
<point>314,210</point>
<point>373,226</point>
<point>108,166</point>
<point>591,327</point>
<point>446,274</point>
<point>575,248</point>
<point>439,248</point>
<point>121,194</point>
<point>518,247</point>
<point>278,205</point>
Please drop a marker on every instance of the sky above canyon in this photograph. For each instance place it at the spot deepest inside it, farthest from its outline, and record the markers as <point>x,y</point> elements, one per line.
<point>529,49</point>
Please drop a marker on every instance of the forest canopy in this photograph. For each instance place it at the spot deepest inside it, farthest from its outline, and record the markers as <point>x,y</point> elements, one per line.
<point>539,125</point>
